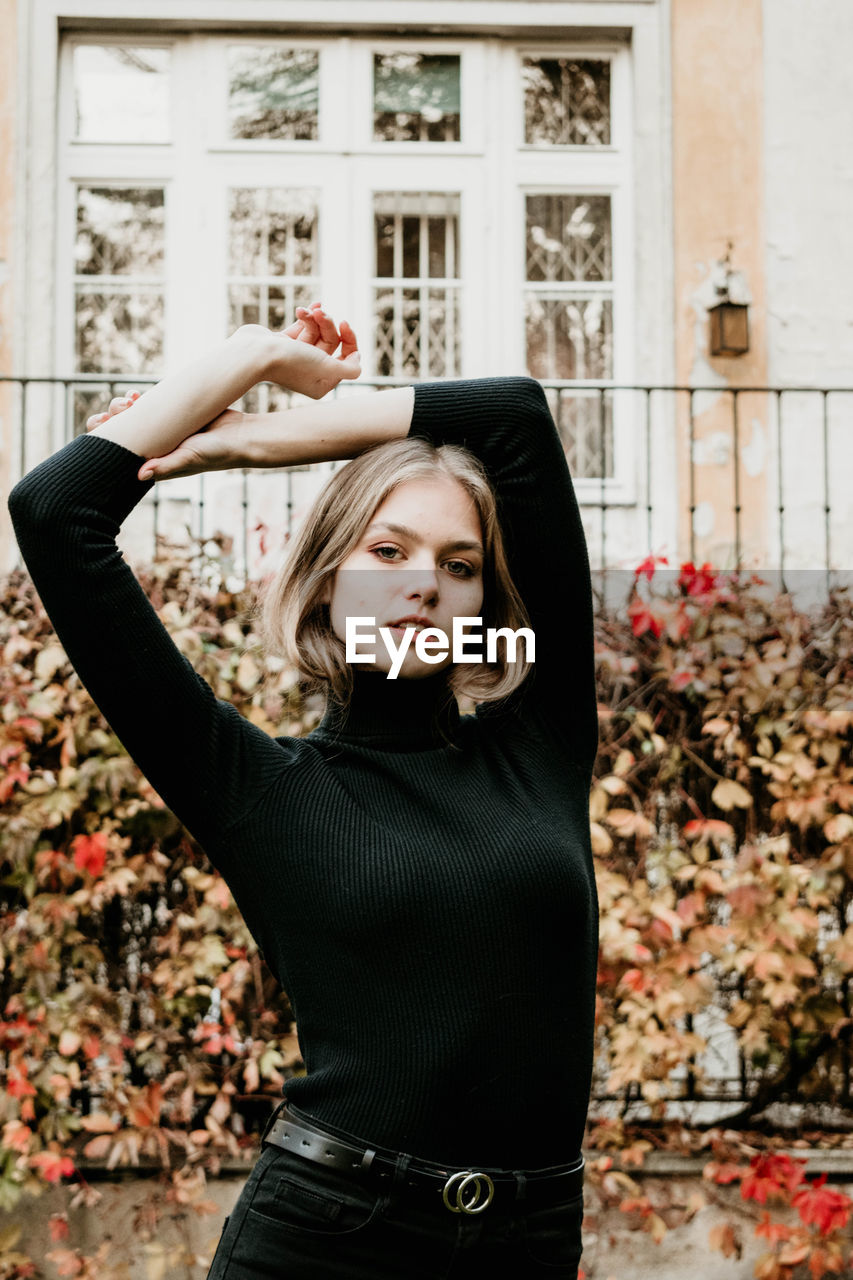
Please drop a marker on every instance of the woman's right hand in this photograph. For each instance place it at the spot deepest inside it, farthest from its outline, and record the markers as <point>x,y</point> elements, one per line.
<point>220,446</point>
<point>217,447</point>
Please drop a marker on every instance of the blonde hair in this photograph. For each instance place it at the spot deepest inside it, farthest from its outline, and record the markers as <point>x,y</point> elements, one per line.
<point>294,623</point>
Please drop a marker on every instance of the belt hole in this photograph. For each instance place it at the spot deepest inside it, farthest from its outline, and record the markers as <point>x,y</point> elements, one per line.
<point>305,1142</point>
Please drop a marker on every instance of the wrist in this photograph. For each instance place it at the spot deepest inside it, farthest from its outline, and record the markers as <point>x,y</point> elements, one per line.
<point>254,442</point>
<point>261,346</point>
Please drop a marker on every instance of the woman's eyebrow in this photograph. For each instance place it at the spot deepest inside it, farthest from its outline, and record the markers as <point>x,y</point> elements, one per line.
<point>460,544</point>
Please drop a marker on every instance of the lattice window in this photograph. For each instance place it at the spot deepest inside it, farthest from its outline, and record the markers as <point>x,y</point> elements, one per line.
<point>566,101</point>
<point>273,92</point>
<point>273,263</point>
<point>416,97</point>
<point>568,309</point>
<point>416,287</point>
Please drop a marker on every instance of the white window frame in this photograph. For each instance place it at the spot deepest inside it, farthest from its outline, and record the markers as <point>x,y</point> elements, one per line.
<point>332,91</point>
<point>471,141</point>
<point>167,164</point>
<point>409,174</point>
<point>584,169</point>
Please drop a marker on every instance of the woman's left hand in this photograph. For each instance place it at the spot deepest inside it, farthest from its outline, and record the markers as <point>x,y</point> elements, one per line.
<point>303,355</point>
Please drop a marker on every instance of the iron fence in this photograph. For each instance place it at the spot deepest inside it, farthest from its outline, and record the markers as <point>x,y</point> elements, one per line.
<point>739,476</point>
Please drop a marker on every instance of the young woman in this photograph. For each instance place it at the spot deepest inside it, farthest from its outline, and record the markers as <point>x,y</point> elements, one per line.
<point>420,881</point>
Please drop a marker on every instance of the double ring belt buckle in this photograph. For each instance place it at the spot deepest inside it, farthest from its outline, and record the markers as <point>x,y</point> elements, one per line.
<point>470,1192</point>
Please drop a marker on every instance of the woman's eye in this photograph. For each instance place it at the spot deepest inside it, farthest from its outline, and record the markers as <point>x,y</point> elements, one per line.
<point>458,568</point>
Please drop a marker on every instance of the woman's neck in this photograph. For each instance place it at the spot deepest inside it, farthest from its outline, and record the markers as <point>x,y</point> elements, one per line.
<point>406,714</point>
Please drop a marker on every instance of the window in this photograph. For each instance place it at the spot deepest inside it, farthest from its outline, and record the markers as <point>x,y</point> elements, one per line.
<point>416,97</point>
<point>572,292</point>
<point>566,101</point>
<point>121,93</point>
<point>273,92</point>
<point>416,288</point>
<point>377,175</point>
<point>119,281</point>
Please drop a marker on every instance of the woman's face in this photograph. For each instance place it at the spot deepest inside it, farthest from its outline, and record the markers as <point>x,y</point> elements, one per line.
<point>421,554</point>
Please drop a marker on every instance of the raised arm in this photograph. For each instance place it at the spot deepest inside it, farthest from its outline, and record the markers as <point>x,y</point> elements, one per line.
<point>207,761</point>
<point>506,423</point>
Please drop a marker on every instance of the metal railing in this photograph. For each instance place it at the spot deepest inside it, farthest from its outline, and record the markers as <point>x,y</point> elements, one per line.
<point>776,459</point>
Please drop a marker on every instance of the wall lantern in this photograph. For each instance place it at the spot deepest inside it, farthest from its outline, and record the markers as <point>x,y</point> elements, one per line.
<point>729,316</point>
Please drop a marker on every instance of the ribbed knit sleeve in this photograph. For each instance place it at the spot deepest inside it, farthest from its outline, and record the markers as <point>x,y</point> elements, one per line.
<point>506,423</point>
<point>208,763</point>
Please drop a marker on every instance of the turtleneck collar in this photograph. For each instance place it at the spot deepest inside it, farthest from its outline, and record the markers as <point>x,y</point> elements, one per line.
<point>403,714</point>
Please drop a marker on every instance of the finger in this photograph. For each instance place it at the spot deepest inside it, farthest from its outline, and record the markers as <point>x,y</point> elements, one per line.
<point>351,366</point>
<point>329,336</point>
<point>148,470</point>
<point>349,342</point>
<point>294,330</point>
<point>95,420</point>
<point>118,404</point>
<point>311,331</point>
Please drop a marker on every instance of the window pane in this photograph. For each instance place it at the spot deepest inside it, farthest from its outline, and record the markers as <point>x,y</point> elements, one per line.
<point>273,93</point>
<point>585,424</point>
<point>416,97</point>
<point>273,265</point>
<point>120,260</point>
<point>119,331</point>
<point>272,232</point>
<point>121,93</point>
<point>569,238</point>
<point>120,231</point>
<point>417,322</point>
<point>566,101</point>
<point>569,337</point>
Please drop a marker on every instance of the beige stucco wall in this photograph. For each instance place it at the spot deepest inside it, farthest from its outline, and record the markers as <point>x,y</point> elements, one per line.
<point>718,166</point>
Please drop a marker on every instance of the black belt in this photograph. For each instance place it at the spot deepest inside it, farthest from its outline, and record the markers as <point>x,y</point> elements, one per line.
<point>459,1190</point>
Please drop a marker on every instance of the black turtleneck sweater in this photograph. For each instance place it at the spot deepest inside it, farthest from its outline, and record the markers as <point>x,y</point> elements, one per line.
<point>429,906</point>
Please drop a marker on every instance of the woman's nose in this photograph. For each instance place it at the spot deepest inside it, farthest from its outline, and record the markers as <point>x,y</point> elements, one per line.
<point>422,579</point>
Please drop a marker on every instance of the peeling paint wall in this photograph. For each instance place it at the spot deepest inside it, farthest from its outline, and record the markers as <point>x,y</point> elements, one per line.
<point>718,200</point>
<point>809,209</point>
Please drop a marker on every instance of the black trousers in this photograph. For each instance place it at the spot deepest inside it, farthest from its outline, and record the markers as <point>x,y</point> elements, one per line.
<point>295,1218</point>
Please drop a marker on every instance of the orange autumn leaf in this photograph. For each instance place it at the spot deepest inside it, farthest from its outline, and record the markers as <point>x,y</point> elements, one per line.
<point>771,1230</point>
<point>722,1173</point>
<point>53,1165</point>
<point>723,1239</point>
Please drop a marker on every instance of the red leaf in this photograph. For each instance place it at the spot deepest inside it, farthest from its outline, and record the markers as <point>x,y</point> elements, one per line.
<point>772,1175</point>
<point>823,1206</point>
<point>59,1229</point>
<point>90,853</point>
<point>53,1165</point>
